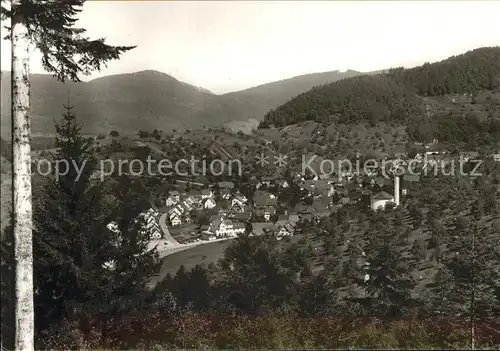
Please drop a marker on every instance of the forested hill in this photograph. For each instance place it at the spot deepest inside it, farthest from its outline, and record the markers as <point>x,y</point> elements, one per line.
<point>392,96</point>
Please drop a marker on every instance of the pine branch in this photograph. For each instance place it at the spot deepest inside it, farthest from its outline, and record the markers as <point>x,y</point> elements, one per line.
<point>66,51</point>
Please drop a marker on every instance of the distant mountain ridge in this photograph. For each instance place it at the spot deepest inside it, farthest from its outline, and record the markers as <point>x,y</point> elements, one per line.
<point>149,99</point>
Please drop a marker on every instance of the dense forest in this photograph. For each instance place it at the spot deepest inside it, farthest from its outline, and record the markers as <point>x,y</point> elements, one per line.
<point>471,72</point>
<point>395,96</point>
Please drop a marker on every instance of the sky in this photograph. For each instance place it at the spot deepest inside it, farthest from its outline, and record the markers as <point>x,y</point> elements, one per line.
<point>227,46</point>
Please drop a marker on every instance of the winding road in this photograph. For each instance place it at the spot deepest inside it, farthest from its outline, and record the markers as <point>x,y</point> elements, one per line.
<point>166,233</point>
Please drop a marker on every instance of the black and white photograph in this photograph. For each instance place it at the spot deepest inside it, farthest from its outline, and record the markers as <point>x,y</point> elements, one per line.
<point>232,175</point>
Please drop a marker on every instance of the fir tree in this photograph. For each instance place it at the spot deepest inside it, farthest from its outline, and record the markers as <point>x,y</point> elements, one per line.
<point>81,267</point>
<point>389,287</point>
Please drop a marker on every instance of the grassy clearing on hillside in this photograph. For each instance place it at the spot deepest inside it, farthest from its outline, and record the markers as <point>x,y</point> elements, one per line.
<point>202,254</point>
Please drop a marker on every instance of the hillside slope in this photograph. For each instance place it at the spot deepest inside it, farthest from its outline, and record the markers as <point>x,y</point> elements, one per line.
<point>392,96</point>
<point>147,100</point>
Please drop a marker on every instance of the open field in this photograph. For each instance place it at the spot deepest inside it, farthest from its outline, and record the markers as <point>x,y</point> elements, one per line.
<point>203,254</point>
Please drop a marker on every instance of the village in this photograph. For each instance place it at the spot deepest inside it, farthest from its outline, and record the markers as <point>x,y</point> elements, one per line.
<point>275,205</point>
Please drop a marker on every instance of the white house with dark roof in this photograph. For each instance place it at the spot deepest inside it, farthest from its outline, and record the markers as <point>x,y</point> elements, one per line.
<point>207,193</point>
<point>380,200</point>
<point>113,227</point>
<point>238,203</point>
<point>225,194</point>
<point>284,229</point>
<point>496,157</point>
<point>150,224</point>
<point>469,156</point>
<point>175,220</point>
<point>223,227</point>
<point>173,198</point>
<point>209,203</point>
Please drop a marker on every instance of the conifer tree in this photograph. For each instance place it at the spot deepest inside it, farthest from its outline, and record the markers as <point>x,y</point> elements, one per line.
<point>253,280</point>
<point>318,296</point>
<point>390,284</point>
<point>81,267</point>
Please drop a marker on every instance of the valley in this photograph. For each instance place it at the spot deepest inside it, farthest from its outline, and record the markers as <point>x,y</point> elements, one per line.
<point>385,242</point>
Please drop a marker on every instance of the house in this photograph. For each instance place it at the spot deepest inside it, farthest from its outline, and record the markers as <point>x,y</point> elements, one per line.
<point>209,203</point>
<point>175,215</point>
<point>321,204</point>
<point>323,187</point>
<point>469,156</point>
<point>268,181</point>
<point>496,157</point>
<point>223,227</point>
<point>262,228</point>
<point>97,174</point>
<point>383,181</point>
<point>155,234</point>
<point>178,210</point>
<point>238,203</point>
<point>299,178</point>
<point>173,198</point>
<point>367,193</point>
<point>225,194</point>
<point>380,200</point>
<point>355,196</point>
<point>265,204</point>
<point>409,182</point>
<point>284,229</point>
<point>175,220</point>
<point>113,227</point>
<point>207,193</point>
<point>226,185</point>
<point>150,224</point>
<point>308,185</point>
<point>191,202</point>
<point>283,183</point>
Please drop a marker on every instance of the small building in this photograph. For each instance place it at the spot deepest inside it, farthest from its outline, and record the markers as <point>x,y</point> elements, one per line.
<point>283,184</point>
<point>284,229</point>
<point>410,182</point>
<point>380,200</point>
<point>226,185</point>
<point>209,203</point>
<point>175,219</point>
<point>150,224</point>
<point>173,198</point>
<point>225,194</point>
<point>223,227</point>
<point>206,194</point>
<point>238,203</point>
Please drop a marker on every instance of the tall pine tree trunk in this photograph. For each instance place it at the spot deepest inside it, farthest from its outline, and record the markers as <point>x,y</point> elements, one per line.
<point>21,184</point>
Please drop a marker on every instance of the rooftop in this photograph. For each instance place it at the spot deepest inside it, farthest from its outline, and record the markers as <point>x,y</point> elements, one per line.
<point>382,196</point>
